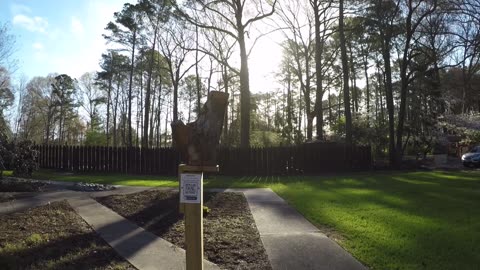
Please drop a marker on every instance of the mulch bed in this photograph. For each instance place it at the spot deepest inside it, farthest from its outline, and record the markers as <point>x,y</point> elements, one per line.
<point>18,188</point>
<point>231,239</point>
<point>9,184</point>
<point>53,237</point>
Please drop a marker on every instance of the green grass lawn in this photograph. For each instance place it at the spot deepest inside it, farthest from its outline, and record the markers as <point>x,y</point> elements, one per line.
<point>112,179</point>
<point>7,173</point>
<point>388,220</point>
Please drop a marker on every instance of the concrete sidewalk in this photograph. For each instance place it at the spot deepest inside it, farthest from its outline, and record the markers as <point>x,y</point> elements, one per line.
<point>292,242</point>
<point>34,201</point>
<point>43,198</point>
<point>141,248</point>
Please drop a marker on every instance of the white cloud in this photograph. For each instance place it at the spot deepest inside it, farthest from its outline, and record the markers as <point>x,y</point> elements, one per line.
<point>33,24</point>
<point>77,27</point>
<point>37,46</point>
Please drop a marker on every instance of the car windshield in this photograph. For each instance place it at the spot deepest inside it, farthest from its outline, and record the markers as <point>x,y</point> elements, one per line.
<point>475,150</point>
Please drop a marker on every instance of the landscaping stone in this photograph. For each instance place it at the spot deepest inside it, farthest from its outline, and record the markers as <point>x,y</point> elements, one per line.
<point>89,187</point>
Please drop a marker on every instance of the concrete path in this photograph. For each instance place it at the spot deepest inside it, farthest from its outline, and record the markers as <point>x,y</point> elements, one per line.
<point>43,198</point>
<point>38,200</point>
<point>141,248</point>
<point>292,242</point>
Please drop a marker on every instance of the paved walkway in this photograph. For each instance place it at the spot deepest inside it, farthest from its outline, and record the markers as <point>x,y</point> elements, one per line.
<point>60,194</point>
<point>292,242</point>
<point>141,248</point>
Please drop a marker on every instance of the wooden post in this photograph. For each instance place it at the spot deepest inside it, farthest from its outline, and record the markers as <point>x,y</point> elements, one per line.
<point>197,144</point>
<point>194,218</point>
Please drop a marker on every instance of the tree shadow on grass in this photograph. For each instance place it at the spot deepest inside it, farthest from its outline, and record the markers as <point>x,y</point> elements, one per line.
<point>389,220</point>
<point>398,220</point>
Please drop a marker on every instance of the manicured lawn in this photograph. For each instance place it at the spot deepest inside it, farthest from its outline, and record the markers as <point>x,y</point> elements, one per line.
<point>388,220</point>
<point>113,179</point>
<point>7,173</point>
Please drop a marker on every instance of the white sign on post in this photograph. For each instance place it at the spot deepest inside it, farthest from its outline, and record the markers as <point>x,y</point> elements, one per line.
<point>191,187</point>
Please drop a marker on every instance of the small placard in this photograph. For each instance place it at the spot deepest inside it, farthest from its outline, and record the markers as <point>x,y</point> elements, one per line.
<point>191,187</point>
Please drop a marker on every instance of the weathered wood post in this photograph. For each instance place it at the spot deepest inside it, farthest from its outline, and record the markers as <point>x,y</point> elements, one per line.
<point>197,143</point>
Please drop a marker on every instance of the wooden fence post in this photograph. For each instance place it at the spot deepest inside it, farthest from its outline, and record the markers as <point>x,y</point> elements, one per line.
<point>193,209</point>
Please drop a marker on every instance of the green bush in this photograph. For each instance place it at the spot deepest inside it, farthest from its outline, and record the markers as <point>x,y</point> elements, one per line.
<point>21,157</point>
<point>5,153</point>
<point>24,159</point>
<point>95,138</point>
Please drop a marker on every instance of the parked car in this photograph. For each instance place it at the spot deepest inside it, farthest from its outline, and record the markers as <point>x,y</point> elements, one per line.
<point>472,158</point>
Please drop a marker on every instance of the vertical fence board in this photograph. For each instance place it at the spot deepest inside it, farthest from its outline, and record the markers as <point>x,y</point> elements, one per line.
<point>267,161</point>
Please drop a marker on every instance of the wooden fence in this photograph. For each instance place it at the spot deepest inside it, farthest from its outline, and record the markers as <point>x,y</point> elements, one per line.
<point>303,159</point>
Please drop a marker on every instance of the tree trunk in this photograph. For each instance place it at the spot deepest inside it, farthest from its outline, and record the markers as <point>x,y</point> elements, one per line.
<point>166,125</point>
<point>210,74</point>
<point>289,106</point>
<point>139,128</point>
<point>309,125</point>
<point>148,93</point>
<point>403,89</point>
<point>300,112</point>
<point>197,76</point>
<point>47,131</point>
<point>226,85</point>
<point>352,79</point>
<point>244,89</point>
<point>109,100</point>
<point>309,113</point>
<point>330,111</point>
<point>365,67</point>
<point>152,117</point>
<point>319,112</point>
<point>389,97</point>
<point>158,120</point>
<point>175,83</point>
<point>346,91</point>
<point>130,84</point>
<point>197,141</point>
<point>318,69</point>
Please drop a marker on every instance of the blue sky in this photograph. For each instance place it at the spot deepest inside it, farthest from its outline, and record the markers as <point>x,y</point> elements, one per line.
<point>58,36</point>
<point>66,37</point>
